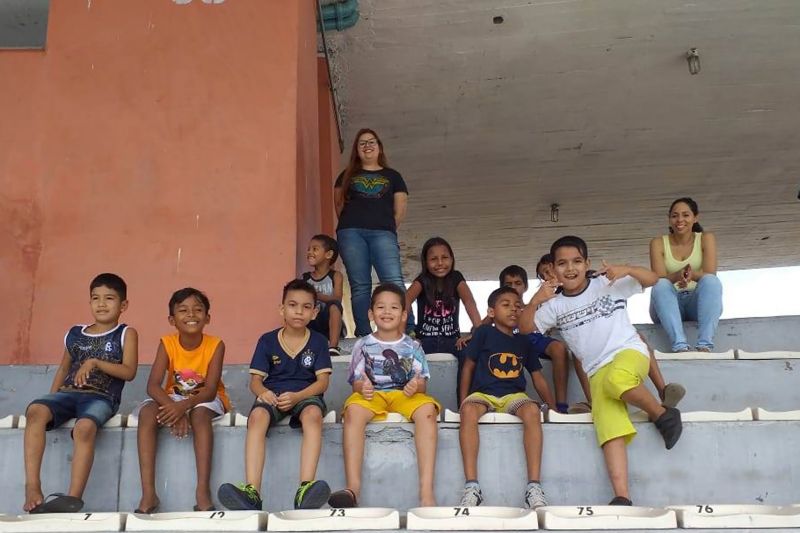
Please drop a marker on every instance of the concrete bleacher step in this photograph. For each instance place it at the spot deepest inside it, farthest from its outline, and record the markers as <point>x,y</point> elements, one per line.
<point>744,415</point>
<point>471,519</point>
<point>763,414</point>
<point>7,422</point>
<point>599,517</point>
<point>240,420</point>
<point>694,356</point>
<point>488,418</point>
<point>198,521</point>
<point>776,354</point>
<point>334,519</point>
<point>737,516</point>
<point>116,421</point>
<point>66,522</point>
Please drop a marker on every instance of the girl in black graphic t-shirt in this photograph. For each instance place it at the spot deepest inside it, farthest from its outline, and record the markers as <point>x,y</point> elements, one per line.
<point>370,201</point>
<point>439,291</point>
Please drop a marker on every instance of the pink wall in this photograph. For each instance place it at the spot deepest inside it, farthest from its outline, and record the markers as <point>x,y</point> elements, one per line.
<point>171,144</point>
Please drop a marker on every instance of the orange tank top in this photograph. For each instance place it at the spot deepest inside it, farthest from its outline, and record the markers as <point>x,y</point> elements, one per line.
<point>188,368</point>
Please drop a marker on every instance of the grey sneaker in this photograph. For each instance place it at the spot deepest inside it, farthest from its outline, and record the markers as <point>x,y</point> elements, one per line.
<point>472,497</point>
<point>534,496</point>
<point>673,394</point>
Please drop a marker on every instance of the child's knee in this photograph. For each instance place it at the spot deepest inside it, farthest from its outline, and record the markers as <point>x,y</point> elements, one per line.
<point>426,413</point>
<point>85,430</point>
<point>471,411</point>
<point>258,418</point>
<point>201,415</point>
<point>529,413</point>
<point>311,415</point>
<point>37,413</point>
<point>557,350</point>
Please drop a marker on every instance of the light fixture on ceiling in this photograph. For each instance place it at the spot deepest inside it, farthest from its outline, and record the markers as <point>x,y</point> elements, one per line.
<point>554,212</point>
<point>693,58</point>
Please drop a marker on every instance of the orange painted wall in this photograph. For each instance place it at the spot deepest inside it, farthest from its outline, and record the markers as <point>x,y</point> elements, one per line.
<point>161,142</point>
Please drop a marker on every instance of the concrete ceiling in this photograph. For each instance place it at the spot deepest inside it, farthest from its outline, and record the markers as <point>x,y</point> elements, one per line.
<point>584,103</point>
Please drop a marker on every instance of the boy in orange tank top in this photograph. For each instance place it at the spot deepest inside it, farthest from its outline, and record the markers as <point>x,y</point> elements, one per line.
<point>191,399</point>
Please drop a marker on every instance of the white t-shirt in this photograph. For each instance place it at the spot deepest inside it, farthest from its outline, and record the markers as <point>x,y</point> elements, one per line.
<point>594,323</point>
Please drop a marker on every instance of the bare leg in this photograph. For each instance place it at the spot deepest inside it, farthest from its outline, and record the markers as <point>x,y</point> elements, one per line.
<point>558,355</point>
<point>83,435</point>
<point>583,379</point>
<point>616,457</point>
<point>356,419</point>
<point>256,446</point>
<point>531,439</point>
<point>147,442</point>
<point>334,325</point>
<point>311,419</point>
<point>655,371</point>
<point>640,397</point>
<point>469,438</point>
<point>37,416</point>
<point>203,433</point>
<point>425,438</point>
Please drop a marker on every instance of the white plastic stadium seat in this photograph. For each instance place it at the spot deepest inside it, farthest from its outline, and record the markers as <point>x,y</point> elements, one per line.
<point>241,421</point>
<point>737,516</point>
<point>7,422</point>
<point>763,414</point>
<point>688,356</point>
<point>612,517</point>
<point>440,357</point>
<point>198,521</point>
<point>358,518</point>
<point>67,522</point>
<point>558,418</point>
<point>778,354</point>
<point>488,418</point>
<point>471,519</point>
<point>113,422</point>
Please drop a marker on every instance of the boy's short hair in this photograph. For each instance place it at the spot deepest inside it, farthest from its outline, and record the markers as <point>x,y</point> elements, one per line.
<point>188,292</point>
<point>497,293</point>
<point>388,287</point>
<point>299,285</point>
<point>570,241</point>
<point>515,271</point>
<point>113,282</point>
<point>330,245</point>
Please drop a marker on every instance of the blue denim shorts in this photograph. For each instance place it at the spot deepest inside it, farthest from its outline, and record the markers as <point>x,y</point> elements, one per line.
<point>540,343</point>
<point>67,405</point>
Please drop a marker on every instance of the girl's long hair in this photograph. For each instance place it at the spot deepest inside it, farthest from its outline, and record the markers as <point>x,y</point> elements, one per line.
<point>696,227</point>
<point>354,163</point>
<point>429,281</point>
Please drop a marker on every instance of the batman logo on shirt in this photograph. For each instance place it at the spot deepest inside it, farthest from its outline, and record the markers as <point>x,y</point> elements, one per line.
<point>370,186</point>
<point>505,365</point>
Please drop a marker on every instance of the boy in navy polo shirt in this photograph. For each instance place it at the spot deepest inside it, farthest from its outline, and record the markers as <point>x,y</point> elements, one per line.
<point>495,361</point>
<point>290,371</point>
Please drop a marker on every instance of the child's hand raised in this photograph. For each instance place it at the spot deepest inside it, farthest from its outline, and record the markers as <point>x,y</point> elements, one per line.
<point>287,400</point>
<point>268,397</point>
<point>547,291</point>
<point>180,429</point>
<point>614,272</point>
<point>169,414</point>
<point>367,389</point>
<point>412,386</point>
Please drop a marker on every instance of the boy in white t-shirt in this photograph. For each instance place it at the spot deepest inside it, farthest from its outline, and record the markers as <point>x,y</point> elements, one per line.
<point>590,313</point>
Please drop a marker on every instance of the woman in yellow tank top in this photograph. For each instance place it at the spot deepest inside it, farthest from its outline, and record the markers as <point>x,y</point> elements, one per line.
<point>686,262</point>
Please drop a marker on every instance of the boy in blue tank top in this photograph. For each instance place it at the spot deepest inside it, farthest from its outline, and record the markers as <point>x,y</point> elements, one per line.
<point>98,360</point>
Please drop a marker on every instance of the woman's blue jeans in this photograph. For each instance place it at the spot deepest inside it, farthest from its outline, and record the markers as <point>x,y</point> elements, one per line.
<point>670,307</point>
<point>361,250</point>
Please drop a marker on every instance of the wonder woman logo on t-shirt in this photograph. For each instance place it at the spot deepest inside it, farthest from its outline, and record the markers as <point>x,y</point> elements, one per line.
<point>370,186</point>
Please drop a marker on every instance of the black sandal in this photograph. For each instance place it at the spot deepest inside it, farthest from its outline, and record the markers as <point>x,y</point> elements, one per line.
<point>58,503</point>
<point>343,499</point>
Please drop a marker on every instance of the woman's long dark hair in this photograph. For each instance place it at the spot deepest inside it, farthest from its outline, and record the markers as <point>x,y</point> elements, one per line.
<point>354,163</point>
<point>447,290</point>
<point>696,227</point>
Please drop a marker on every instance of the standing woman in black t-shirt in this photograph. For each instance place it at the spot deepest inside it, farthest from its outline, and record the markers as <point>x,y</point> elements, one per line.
<point>370,201</point>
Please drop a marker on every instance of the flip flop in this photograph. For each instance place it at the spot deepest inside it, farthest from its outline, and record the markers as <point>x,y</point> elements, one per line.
<point>150,510</point>
<point>58,503</point>
<point>198,510</point>
<point>343,499</point>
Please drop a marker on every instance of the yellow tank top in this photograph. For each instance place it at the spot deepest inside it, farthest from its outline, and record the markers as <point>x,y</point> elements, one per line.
<point>695,259</point>
<point>187,369</point>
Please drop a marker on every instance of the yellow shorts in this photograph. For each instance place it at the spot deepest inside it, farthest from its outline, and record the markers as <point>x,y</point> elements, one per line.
<point>510,403</point>
<point>626,371</point>
<point>391,401</point>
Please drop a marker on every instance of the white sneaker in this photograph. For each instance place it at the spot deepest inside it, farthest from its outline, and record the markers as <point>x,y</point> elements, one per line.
<point>534,497</point>
<point>472,497</point>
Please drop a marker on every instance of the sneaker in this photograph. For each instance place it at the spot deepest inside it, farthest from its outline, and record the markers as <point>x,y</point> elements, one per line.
<point>670,426</point>
<point>673,394</point>
<point>534,496</point>
<point>312,495</point>
<point>244,497</point>
<point>343,499</point>
<point>334,351</point>
<point>579,408</point>
<point>472,496</point>
<point>620,500</point>
<point>704,349</point>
